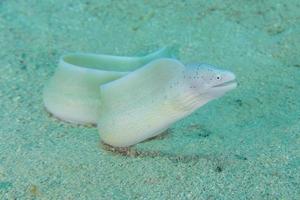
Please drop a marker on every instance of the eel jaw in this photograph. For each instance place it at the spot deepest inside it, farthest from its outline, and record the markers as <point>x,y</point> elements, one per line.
<point>231,83</point>
<point>220,89</point>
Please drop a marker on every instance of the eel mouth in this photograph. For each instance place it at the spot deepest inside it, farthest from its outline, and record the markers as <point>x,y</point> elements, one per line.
<point>228,83</point>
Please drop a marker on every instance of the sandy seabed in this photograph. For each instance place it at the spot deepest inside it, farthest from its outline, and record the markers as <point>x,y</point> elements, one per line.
<point>245,145</point>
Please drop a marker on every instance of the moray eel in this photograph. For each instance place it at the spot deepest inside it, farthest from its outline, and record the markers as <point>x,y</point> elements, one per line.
<point>131,99</point>
<point>147,101</point>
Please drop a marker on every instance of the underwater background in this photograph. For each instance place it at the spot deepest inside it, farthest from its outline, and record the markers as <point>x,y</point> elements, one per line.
<point>245,145</point>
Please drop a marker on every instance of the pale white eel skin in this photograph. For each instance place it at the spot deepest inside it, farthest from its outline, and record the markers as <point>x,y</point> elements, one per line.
<point>147,101</point>
<point>72,94</point>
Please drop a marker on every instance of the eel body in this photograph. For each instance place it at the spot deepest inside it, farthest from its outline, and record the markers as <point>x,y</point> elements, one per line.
<point>131,99</point>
